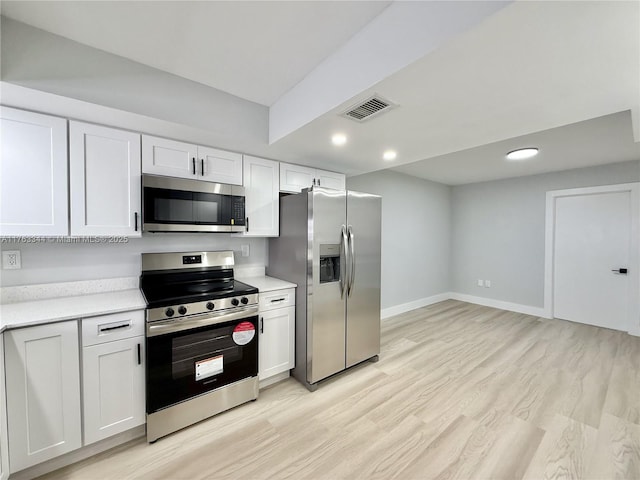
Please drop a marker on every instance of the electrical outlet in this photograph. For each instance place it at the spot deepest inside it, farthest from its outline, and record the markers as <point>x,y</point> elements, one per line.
<point>245,250</point>
<point>487,283</point>
<point>11,260</point>
<point>479,282</point>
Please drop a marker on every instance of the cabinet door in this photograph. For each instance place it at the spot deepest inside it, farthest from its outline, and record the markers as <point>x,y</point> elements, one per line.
<point>33,174</point>
<point>293,178</point>
<point>161,156</point>
<point>326,179</point>
<point>219,166</point>
<point>43,393</point>
<point>276,342</point>
<point>113,387</point>
<point>105,180</point>
<point>4,458</point>
<point>262,197</point>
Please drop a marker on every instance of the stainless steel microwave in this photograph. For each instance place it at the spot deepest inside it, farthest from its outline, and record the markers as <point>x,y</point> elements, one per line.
<point>183,205</point>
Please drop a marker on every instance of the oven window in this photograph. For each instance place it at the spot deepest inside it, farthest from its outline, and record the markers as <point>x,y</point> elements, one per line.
<point>188,350</point>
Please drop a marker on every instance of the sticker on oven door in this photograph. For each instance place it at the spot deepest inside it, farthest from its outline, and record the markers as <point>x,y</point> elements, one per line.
<point>243,333</point>
<point>209,367</point>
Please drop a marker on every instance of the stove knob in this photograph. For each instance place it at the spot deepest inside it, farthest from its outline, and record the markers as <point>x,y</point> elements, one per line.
<point>210,305</point>
<point>244,300</point>
<point>169,312</point>
<point>182,310</point>
<point>235,302</point>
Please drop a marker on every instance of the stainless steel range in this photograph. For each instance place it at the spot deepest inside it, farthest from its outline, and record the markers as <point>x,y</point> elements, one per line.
<point>202,342</point>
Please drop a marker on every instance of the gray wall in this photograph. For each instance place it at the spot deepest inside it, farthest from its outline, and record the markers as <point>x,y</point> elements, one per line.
<point>36,59</point>
<point>498,230</point>
<point>64,262</point>
<point>416,235</point>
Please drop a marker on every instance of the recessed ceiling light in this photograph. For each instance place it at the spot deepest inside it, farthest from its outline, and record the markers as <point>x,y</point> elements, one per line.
<point>389,155</point>
<point>339,139</point>
<point>522,153</point>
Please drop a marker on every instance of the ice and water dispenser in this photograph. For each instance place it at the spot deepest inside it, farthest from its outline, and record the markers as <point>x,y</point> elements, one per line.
<point>329,263</point>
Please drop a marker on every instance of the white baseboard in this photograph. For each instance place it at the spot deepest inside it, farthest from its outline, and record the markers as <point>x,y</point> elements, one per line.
<point>407,307</point>
<point>490,302</point>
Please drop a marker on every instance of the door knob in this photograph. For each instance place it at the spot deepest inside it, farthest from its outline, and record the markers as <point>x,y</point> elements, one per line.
<point>622,271</point>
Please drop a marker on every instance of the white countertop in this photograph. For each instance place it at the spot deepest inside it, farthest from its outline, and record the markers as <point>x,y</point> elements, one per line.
<point>37,311</point>
<point>51,310</point>
<point>266,284</point>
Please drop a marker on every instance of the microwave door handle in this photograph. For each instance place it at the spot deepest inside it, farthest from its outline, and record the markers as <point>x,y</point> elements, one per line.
<point>352,261</point>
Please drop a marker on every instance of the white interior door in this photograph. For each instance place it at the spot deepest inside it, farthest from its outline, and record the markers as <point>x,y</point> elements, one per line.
<point>592,240</point>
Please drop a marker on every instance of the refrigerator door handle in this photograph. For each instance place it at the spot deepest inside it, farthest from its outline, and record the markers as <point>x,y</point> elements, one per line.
<point>352,261</point>
<point>343,264</point>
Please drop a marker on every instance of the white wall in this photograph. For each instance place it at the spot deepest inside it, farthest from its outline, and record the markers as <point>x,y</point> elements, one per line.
<point>498,230</point>
<point>39,60</point>
<point>64,262</point>
<point>416,237</point>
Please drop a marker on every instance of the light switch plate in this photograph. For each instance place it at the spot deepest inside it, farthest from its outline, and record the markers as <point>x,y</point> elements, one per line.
<point>245,250</point>
<point>11,260</point>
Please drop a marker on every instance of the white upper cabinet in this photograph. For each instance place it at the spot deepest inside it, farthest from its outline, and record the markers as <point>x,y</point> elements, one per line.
<point>220,166</point>
<point>33,174</point>
<point>262,197</point>
<point>326,179</point>
<point>294,178</point>
<point>105,180</point>
<point>161,156</point>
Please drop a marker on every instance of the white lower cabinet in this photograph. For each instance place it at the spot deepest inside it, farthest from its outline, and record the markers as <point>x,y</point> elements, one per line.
<point>4,451</point>
<point>113,386</point>
<point>43,393</point>
<point>277,332</point>
<point>113,374</point>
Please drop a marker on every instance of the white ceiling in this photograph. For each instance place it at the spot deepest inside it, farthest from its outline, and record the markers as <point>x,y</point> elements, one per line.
<point>534,72</point>
<point>256,50</point>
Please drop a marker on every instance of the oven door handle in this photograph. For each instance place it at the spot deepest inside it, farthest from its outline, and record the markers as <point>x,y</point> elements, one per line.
<point>164,327</point>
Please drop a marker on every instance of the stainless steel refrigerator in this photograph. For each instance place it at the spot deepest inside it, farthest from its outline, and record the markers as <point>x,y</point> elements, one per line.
<point>329,246</point>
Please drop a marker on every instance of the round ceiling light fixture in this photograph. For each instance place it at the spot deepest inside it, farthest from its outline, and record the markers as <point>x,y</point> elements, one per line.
<point>522,153</point>
<point>339,139</point>
<point>389,155</point>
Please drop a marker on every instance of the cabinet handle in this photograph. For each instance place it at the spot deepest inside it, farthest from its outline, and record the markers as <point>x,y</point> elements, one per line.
<point>139,358</point>
<point>278,300</point>
<point>247,224</point>
<point>115,327</point>
<point>314,181</point>
<point>318,182</point>
<point>135,224</point>
<point>194,165</point>
<point>261,325</point>
<point>202,166</point>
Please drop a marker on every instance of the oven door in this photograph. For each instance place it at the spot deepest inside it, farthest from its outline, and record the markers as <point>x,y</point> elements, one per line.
<point>186,362</point>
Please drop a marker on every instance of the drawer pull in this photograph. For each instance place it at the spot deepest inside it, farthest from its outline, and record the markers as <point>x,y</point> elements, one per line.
<point>278,300</point>
<point>114,327</point>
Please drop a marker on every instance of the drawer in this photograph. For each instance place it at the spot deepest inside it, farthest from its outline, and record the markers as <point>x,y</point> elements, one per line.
<point>277,299</point>
<point>116,326</point>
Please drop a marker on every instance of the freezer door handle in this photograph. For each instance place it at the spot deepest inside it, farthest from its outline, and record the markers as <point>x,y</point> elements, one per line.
<point>352,261</point>
<point>343,260</point>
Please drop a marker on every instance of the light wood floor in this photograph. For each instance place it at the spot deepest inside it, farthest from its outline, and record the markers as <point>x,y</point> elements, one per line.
<point>461,391</point>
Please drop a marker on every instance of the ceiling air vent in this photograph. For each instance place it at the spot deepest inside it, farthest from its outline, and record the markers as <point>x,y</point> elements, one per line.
<point>370,107</point>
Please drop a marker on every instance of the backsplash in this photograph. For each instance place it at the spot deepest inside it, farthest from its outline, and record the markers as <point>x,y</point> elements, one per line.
<point>48,262</point>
